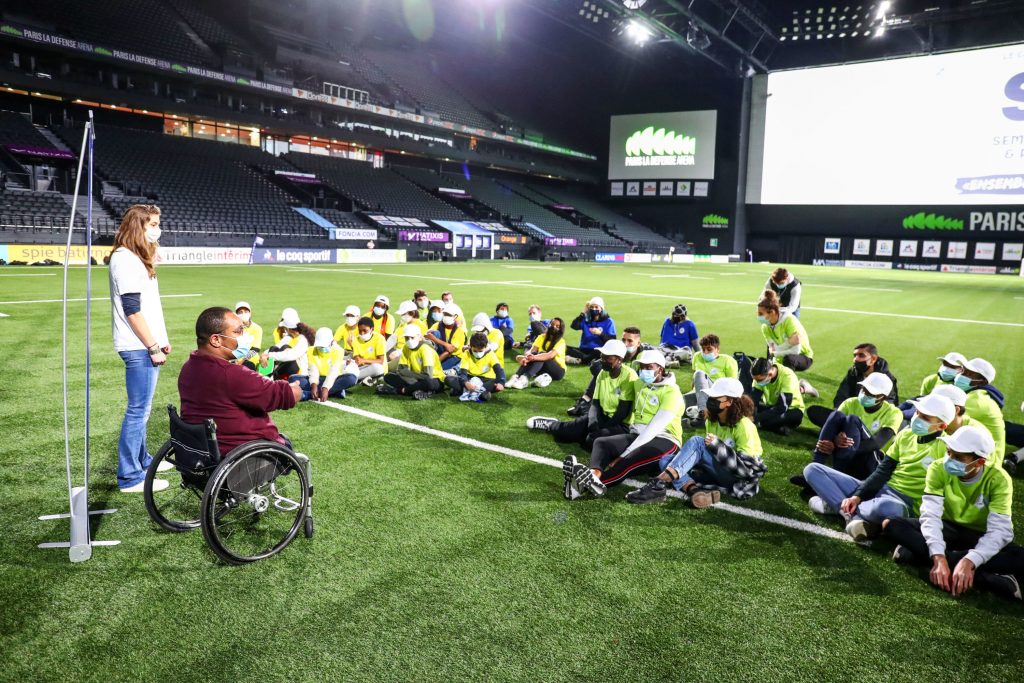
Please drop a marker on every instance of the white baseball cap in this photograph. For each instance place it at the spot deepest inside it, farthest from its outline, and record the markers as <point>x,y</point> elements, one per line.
<point>936,406</point>
<point>613,347</point>
<point>242,304</point>
<point>982,367</point>
<point>954,358</point>
<point>877,384</point>
<point>729,387</point>
<point>481,323</point>
<point>596,301</point>
<point>970,439</point>
<point>412,332</point>
<point>955,394</point>
<point>381,299</point>
<point>289,318</point>
<point>451,309</point>
<point>324,337</point>
<point>651,356</point>
<point>406,307</point>
<point>437,303</point>
<point>353,311</point>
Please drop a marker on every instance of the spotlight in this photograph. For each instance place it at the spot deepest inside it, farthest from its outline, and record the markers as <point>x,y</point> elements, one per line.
<point>696,38</point>
<point>637,32</point>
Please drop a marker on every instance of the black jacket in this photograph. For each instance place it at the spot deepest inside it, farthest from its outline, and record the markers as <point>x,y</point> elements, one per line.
<point>848,387</point>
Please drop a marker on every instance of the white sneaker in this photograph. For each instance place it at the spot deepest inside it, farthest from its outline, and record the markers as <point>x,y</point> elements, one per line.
<point>158,485</point>
<point>519,382</point>
<point>164,466</point>
<point>820,506</point>
<point>369,382</point>
<point>673,363</point>
<point>572,360</point>
<point>541,424</point>
<point>807,388</point>
<point>542,380</point>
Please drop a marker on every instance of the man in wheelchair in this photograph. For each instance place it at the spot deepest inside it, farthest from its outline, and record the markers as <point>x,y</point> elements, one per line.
<point>234,396</point>
<point>238,477</point>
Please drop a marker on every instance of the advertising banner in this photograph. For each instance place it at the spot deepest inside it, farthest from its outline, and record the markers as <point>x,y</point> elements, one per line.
<point>985,251</point>
<point>203,255</point>
<point>832,245</point>
<point>633,189</point>
<point>617,188</point>
<point>908,248</point>
<point>700,188</point>
<point>871,265</point>
<point>280,255</point>
<point>370,255</point>
<point>883,247</point>
<point>661,258</point>
<point>956,250</point>
<point>683,188</point>
<point>33,253</point>
<point>609,258</point>
<point>960,268</point>
<point>862,247</point>
<point>47,152</point>
<point>662,146</point>
<point>650,188</point>
<point>665,188</point>
<point>1013,251</point>
<point>422,236</point>
<point>559,242</point>
<point>353,234</point>
<point>682,258</point>
<point>931,249</point>
<point>925,267</point>
<point>638,258</point>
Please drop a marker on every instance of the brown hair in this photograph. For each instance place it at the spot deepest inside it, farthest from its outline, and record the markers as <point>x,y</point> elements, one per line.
<point>131,234</point>
<point>710,340</point>
<point>769,301</point>
<point>779,274</point>
<point>739,408</point>
<point>305,330</point>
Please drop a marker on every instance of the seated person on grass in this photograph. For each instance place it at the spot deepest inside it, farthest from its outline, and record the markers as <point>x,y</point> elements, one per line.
<point>708,366</point>
<point>634,347</point>
<point>544,363</point>
<point>480,373</point>
<point>866,362</point>
<point>236,398</point>
<point>503,322</point>
<point>447,337</point>
<point>368,360</point>
<point>655,432</point>
<point>678,337</point>
<point>408,314</point>
<point>596,327</point>
<point>895,488</point>
<point>534,315</point>
<point>419,372</point>
<point>949,367</point>
<point>326,361</point>
<point>727,459</point>
<point>495,340</point>
<point>778,403</point>
<point>965,529</point>
<point>611,410</point>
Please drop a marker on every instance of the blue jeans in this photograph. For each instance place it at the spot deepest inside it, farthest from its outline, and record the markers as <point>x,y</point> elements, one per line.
<point>338,390</point>
<point>450,362</point>
<point>140,381</point>
<point>693,453</point>
<point>833,486</point>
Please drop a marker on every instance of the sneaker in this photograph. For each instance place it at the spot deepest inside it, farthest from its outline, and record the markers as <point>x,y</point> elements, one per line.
<point>672,363</point>
<point>570,490</point>
<point>861,530</point>
<point>541,424</point>
<point>369,381</point>
<point>1003,585</point>
<point>586,480</point>
<point>158,485</point>
<point>818,505</point>
<point>798,480</point>
<point>517,382</point>
<point>422,395</point>
<point>580,408</point>
<point>386,390</point>
<point>484,396</point>
<point>164,466</point>
<point>572,360</point>
<point>808,389</point>
<point>451,372</point>
<point>902,555</point>
<point>542,380</point>
<point>651,492</point>
<point>704,499</point>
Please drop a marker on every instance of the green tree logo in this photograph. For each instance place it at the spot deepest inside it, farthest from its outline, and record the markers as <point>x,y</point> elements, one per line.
<point>931,221</point>
<point>659,142</point>
<point>713,219</point>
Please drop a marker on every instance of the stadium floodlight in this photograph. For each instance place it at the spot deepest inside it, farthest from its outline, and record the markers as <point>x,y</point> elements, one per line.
<point>637,32</point>
<point>883,8</point>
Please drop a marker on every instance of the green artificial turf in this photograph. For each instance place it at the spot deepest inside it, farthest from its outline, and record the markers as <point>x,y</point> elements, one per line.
<point>437,561</point>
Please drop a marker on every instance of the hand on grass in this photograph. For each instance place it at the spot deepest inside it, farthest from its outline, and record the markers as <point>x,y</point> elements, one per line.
<point>939,575</point>
<point>963,577</point>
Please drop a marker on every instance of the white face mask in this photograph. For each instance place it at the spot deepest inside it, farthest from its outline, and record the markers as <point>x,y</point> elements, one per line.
<point>406,317</point>
<point>413,343</point>
<point>422,303</point>
<point>448,320</point>
<point>534,317</point>
<point>153,235</point>
<point>366,337</point>
<point>245,317</point>
<point>351,320</point>
<point>479,354</point>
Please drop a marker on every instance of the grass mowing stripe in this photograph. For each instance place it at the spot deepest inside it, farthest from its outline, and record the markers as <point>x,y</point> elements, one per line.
<point>592,290</point>
<point>551,462</point>
<point>94,298</point>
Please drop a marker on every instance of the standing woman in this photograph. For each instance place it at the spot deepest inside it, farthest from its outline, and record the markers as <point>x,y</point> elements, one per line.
<point>140,336</point>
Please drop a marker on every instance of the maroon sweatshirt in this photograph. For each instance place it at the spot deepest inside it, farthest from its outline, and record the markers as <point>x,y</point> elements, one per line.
<point>237,399</point>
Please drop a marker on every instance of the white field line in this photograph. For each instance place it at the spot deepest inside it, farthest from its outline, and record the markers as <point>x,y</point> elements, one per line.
<point>816,285</point>
<point>751,303</point>
<point>532,267</point>
<point>95,298</point>
<point>551,462</point>
<point>29,275</point>
<point>4,315</point>
<point>691,277</point>
<point>491,282</point>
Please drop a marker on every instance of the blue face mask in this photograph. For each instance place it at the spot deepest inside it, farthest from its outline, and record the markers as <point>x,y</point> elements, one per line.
<point>243,345</point>
<point>762,383</point>
<point>435,316</point>
<point>763,320</point>
<point>963,382</point>
<point>920,426</point>
<point>866,400</point>
<point>954,467</point>
<point>378,311</point>
<point>648,376</point>
<point>709,357</point>
<point>947,374</point>
<point>323,349</point>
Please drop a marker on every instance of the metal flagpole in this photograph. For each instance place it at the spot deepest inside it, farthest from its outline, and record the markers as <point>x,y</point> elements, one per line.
<point>80,545</point>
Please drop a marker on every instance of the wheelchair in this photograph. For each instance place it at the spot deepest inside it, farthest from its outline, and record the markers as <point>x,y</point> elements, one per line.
<point>250,504</point>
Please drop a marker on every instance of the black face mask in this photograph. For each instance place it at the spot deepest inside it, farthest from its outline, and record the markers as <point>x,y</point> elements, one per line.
<point>714,409</point>
<point>860,366</point>
<point>606,366</point>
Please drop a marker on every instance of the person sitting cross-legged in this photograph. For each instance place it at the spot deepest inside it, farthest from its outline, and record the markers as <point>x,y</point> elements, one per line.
<point>326,362</point>
<point>419,372</point>
<point>726,460</point>
<point>611,408</point>
<point>778,403</point>
<point>965,521</point>
<point>480,373</point>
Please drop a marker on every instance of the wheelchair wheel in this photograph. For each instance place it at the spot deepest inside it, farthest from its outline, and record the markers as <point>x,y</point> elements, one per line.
<point>255,502</point>
<point>176,508</point>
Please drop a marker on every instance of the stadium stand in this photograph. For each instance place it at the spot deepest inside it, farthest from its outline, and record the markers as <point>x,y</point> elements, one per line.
<point>376,189</point>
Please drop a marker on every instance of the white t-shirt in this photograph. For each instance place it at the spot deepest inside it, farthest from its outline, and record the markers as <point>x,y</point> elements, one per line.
<point>127,275</point>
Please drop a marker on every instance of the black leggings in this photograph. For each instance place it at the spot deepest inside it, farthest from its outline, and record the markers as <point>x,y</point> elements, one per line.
<point>773,420</point>
<point>818,415</point>
<point>405,384</point>
<point>455,384</point>
<point>798,362</point>
<point>644,460</point>
<point>535,368</point>
<point>576,431</point>
<point>959,540</point>
<point>585,355</point>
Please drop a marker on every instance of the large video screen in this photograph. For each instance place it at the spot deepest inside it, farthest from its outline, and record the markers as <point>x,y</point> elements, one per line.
<point>676,145</point>
<point>940,129</point>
